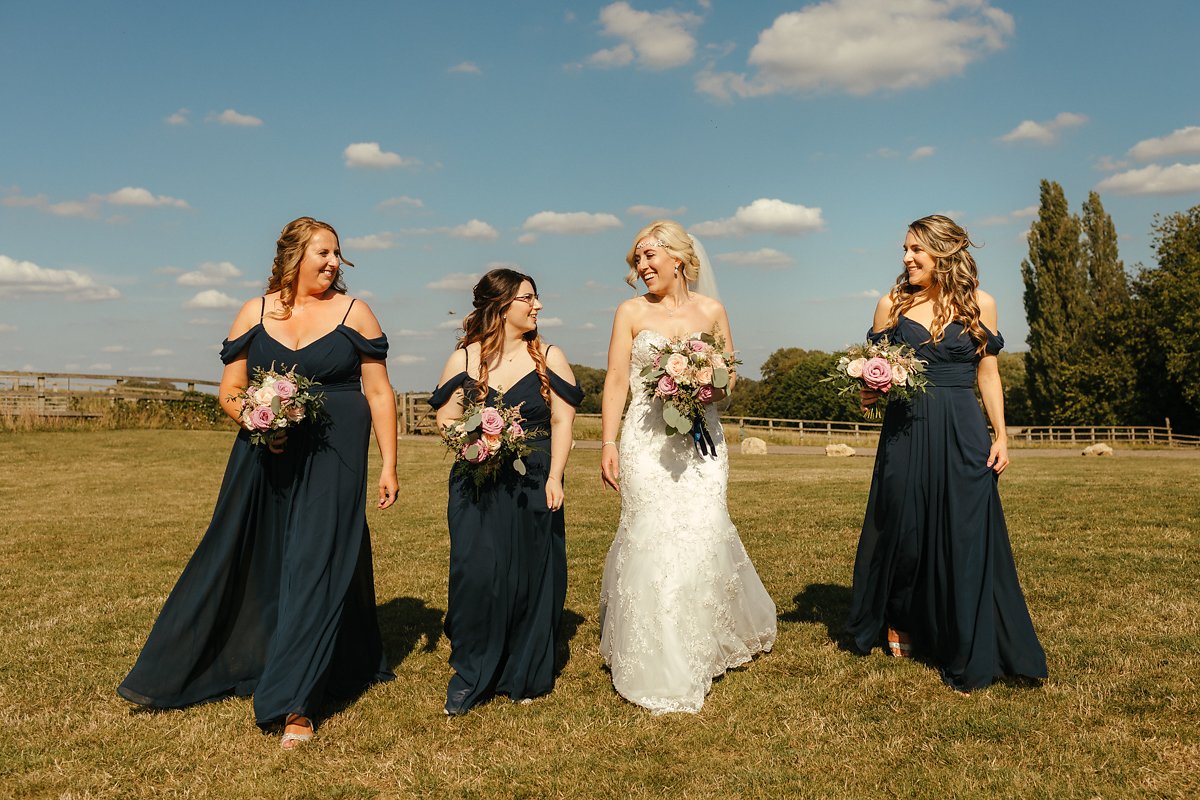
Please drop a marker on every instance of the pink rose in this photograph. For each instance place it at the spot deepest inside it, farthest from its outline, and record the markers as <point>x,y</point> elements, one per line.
<point>285,389</point>
<point>677,365</point>
<point>481,452</point>
<point>261,418</point>
<point>705,394</point>
<point>718,362</point>
<point>294,413</point>
<point>490,421</point>
<point>698,346</point>
<point>899,374</point>
<point>515,430</point>
<point>854,368</point>
<point>658,360</point>
<point>667,386</point>
<point>877,374</point>
<point>263,395</point>
<point>704,375</point>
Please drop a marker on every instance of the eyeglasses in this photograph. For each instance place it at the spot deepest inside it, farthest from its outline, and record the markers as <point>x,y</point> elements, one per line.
<point>527,298</point>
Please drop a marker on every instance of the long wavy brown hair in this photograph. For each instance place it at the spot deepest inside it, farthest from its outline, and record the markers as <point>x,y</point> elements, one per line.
<point>954,283</point>
<point>492,296</point>
<point>289,250</point>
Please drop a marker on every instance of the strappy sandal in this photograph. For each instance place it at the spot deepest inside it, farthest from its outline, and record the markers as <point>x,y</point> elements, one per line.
<point>899,643</point>
<point>291,741</point>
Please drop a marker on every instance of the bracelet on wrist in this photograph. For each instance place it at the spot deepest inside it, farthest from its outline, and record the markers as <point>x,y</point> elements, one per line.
<point>606,444</point>
<point>554,478</point>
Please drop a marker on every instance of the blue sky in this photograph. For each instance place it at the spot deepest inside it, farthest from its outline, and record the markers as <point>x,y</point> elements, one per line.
<point>152,151</point>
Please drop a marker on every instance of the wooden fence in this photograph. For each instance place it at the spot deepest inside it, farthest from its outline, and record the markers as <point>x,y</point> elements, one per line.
<point>49,394</point>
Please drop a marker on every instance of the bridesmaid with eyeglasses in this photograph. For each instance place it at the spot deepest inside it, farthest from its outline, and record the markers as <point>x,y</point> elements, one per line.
<point>508,557</point>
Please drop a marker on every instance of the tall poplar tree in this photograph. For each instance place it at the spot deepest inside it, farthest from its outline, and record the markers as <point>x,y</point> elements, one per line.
<point>1167,312</point>
<point>1108,376</point>
<point>1058,310</point>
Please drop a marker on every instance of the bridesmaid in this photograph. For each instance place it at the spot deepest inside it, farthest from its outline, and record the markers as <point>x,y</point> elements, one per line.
<point>278,600</point>
<point>934,567</point>
<point>508,558</point>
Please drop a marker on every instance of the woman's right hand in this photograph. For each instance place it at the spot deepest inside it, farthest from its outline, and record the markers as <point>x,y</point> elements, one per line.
<point>609,467</point>
<point>868,397</point>
<point>277,441</point>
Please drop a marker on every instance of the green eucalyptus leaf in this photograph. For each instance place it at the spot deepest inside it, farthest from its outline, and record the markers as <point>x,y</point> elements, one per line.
<point>720,378</point>
<point>519,466</point>
<point>472,452</point>
<point>473,423</point>
<point>276,405</point>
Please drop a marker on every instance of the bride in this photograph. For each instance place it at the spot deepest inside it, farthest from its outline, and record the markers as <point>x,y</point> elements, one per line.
<point>680,602</point>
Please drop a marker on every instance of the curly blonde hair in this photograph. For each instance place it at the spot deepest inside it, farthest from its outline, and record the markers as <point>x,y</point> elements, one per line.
<point>954,283</point>
<point>492,296</point>
<point>674,240</point>
<point>289,250</point>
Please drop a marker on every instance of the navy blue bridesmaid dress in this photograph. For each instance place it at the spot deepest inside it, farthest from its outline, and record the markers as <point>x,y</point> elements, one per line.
<point>508,564</point>
<point>934,558</point>
<point>278,600</point>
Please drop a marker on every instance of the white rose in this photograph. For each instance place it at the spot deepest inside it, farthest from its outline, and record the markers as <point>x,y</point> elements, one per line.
<point>899,375</point>
<point>854,368</point>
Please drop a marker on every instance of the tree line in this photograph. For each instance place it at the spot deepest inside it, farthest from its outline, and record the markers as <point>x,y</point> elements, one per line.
<point>1106,347</point>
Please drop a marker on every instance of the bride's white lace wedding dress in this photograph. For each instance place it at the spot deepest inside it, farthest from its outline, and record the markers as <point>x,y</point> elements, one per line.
<point>680,602</point>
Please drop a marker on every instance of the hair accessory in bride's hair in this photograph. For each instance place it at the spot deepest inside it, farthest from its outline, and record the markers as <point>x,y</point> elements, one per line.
<point>645,243</point>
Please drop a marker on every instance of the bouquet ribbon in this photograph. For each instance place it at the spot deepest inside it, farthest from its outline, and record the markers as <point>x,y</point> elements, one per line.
<point>704,442</point>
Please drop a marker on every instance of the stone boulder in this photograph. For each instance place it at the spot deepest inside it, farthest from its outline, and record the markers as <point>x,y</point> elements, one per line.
<point>839,450</point>
<point>1100,449</point>
<point>753,446</point>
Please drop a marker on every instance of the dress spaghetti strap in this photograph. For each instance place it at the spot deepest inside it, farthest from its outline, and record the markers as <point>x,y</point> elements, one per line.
<point>348,310</point>
<point>262,312</point>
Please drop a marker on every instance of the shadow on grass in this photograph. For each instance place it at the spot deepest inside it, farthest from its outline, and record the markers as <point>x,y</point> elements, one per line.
<point>825,603</point>
<point>566,632</point>
<point>404,622</point>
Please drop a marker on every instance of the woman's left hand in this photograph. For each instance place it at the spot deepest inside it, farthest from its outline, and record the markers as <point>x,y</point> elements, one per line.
<point>998,456</point>
<point>554,493</point>
<point>388,487</point>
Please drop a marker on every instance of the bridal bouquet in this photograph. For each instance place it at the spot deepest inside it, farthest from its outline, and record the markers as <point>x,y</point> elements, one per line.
<point>486,438</point>
<point>687,374</point>
<point>275,401</point>
<point>893,370</point>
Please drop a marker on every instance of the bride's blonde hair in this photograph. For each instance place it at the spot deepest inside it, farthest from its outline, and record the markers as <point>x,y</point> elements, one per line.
<point>671,237</point>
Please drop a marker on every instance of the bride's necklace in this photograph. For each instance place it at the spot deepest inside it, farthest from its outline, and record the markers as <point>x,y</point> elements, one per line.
<point>678,305</point>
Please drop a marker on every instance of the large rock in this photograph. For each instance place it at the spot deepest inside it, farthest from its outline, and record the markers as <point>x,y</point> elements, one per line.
<point>839,450</point>
<point>1099,449</point>
<point>753,446</point>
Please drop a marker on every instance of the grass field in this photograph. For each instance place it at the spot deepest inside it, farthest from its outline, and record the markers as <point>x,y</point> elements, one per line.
<point>95,528</point>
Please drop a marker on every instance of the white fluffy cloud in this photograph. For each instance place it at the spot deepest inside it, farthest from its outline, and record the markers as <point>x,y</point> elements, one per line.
<point>467,67</point>
<point>455,282</point>
<point>231,117</point>
<point>764,215</point>
<point>144,198</point>
<point>211,298</point>
<point>1182,142</point>
<point>25,278</point>
<point>450,324</point>
<point>1154,179</point>
<point>7,327</point>
<point>372,241</point>
<point>571,222</point>
<point>1044,132</point>
<point>654,39</point>
<point>368,155</point>
<point>550,322</point>
<point>921,152</point>
<point>210,273</point>
<point>474,229</point>
<point>864,46</point>
<point>180,117</point>
<point>764,258</point>
<point>161,352</point>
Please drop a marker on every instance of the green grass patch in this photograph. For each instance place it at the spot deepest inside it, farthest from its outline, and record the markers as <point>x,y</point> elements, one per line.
<point>96,527</point>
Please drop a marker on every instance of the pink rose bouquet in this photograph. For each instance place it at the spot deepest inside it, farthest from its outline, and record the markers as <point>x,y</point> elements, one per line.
<point>893,370</point>
<point>688,374</point>
<point>275,401</point>
<point>486,438</point>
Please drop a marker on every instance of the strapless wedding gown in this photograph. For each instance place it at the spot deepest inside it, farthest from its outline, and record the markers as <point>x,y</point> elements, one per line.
<point>680,602</point>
